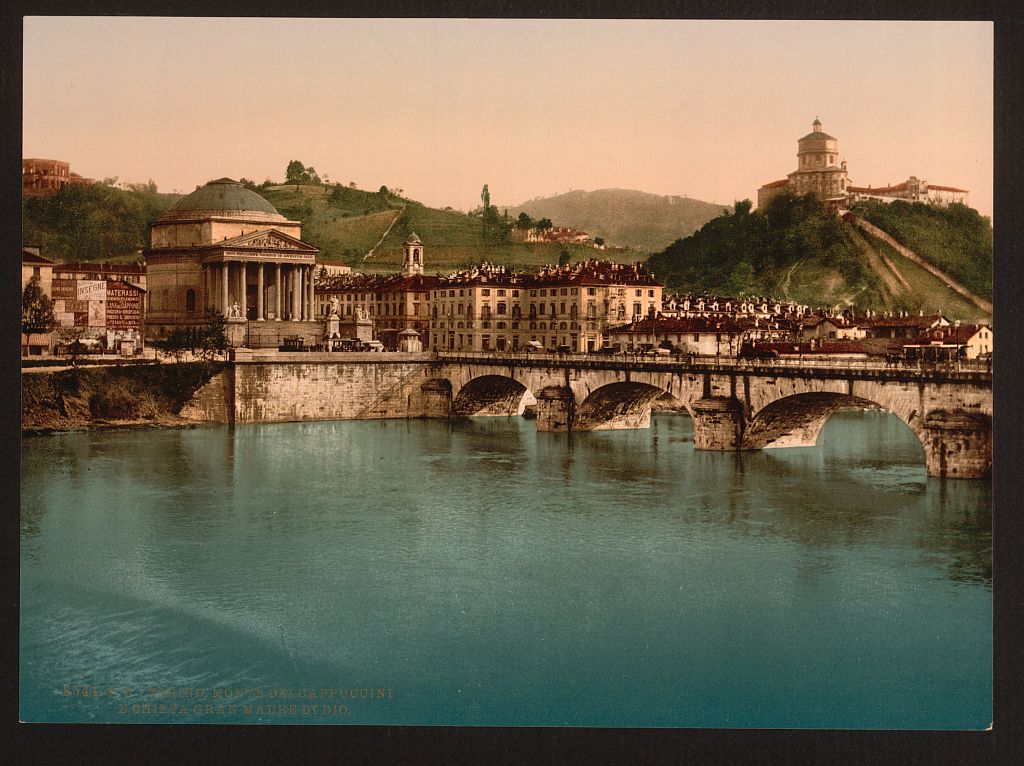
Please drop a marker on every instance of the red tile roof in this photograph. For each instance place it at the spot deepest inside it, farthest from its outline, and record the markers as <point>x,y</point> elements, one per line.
<point>678,325</point>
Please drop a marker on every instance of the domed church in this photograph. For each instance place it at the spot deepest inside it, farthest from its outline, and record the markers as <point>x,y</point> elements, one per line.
<point>225,247</point>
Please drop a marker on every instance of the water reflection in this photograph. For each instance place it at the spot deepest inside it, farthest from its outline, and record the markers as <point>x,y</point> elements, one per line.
<point>447,553</point>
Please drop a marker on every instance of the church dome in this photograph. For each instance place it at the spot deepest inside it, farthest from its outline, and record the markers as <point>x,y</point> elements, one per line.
<point>223,196</point>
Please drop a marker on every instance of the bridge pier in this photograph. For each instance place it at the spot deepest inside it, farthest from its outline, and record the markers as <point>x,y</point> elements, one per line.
<point>717,423</point>
<point>436,399</point>
<point>556,408</point>
<point>958,444</point>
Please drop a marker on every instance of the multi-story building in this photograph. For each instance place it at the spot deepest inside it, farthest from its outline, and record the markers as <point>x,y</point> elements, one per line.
<point>695,335</point>
<point>913,189</point>
<point>40,178</point>
<point>490,307</point>
<point>569,307</point>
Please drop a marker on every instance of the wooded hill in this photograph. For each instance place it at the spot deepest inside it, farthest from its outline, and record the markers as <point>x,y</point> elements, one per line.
<point>94,222</point>
<point>647,222</point>
<point>796,249</point>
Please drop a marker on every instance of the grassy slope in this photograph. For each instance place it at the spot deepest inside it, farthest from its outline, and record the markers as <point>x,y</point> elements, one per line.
<point>955,239</point>
<point>928,293</point>
<point>452,240</point>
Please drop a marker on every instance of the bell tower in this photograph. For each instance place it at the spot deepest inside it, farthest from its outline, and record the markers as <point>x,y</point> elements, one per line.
<point>412,252</point>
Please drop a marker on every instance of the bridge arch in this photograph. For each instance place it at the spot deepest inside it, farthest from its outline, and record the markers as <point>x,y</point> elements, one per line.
<point>797,420</point>
<point>623,404</point>
<point>493,395</point>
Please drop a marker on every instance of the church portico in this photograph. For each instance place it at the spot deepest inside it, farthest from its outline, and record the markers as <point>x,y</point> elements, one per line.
<point>264,287</point>
<point>225,248</point>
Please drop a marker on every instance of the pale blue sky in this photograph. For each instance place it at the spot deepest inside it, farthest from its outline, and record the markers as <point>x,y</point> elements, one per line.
<point>707,109</point>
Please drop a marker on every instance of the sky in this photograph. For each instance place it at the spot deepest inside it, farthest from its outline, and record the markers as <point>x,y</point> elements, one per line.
<point>439,107</point>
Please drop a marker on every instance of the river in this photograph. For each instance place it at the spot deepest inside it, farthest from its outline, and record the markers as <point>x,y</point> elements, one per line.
<point>481,573</point>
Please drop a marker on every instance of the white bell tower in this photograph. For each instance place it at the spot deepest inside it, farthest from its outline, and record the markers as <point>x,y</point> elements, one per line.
<point>412,260</point>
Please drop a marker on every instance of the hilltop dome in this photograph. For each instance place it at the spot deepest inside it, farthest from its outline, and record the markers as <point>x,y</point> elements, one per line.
<point>224,196</point>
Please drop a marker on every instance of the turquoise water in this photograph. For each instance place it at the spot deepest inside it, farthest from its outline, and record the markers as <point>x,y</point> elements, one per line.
<point>480,573</point>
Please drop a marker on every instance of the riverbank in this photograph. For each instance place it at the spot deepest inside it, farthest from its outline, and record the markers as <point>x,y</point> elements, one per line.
<point>111,396</point>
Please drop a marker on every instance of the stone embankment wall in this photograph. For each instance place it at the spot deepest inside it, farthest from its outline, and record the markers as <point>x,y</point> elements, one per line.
<point>312,389</point>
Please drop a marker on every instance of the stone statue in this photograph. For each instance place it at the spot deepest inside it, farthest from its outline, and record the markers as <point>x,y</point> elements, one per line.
<point>335,307</point>
<point>360,313</point>
<point>235,310</point>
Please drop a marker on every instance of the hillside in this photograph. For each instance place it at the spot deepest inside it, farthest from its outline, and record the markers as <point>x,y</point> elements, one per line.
<point>347,224</point>
<point>957,239</point>
<point>362,229</point>
<point>647,222</point>
<point>93,223</point>
<point>798,250</point>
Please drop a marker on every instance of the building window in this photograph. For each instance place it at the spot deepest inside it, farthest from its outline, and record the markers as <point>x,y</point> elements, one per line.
<point>190,301</point>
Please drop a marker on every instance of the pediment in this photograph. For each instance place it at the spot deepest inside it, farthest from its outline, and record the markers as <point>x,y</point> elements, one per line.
<point>267,239</point>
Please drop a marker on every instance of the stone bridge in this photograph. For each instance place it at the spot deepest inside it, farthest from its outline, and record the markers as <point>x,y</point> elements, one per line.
<point>734,405</point>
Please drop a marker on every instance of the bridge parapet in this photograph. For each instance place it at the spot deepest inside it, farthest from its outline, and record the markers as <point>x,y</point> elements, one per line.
<point>979,373</point>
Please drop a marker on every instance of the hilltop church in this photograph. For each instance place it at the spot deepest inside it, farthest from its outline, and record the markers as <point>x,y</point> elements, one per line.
<point>820,172</point>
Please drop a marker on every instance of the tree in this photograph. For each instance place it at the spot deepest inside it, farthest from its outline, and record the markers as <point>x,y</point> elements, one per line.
<point>214,337</point>
<point>383,191</point>
<point>524,222</point>
<point>485,197</point>
<point>542,224</point>
<point>599,241</point>
<point>146,188</point>
<point>248,184</point>
<point>36,311</point>
<point>564,257</point>
<point>294,171</point>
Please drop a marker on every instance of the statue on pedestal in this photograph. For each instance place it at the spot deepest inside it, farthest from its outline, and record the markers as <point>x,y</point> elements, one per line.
<point>333,319</point>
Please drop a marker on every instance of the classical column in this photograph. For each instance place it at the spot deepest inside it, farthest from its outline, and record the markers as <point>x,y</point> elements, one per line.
<point>302,292</point>
<point>312,292</point>
<point>296,296</point>
<point>277,292</point>
<point>241,289</point>
<point>291,292</point>
<point>225,306</point>
<point>259,292</point>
